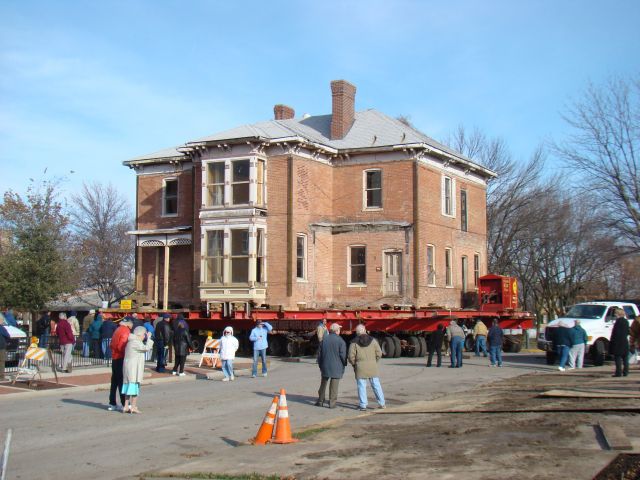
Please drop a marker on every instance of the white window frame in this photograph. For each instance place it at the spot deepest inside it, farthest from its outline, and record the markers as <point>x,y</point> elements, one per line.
<point>365,205</point>
<point>464,273</point>
<point>476,269</point>
<point>431,276</point>
<point>350,283</point>
<point>208,184</point>
<point>164,196</point>
<point>206,256</point>
<point>448,267</point>
<point>451,204</point>
<point>253,238</point>
<point>464,211</point>
<point>303,237</point>
<point>229,183</point>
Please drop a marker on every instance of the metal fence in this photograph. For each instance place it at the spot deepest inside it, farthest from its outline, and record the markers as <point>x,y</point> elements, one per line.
<point>86,353</point>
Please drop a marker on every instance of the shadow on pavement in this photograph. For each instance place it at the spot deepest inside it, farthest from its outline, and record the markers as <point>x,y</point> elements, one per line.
<point>84,403</point>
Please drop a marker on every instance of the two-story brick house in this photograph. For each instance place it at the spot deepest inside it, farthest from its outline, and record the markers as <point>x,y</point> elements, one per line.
<point>348,209</point>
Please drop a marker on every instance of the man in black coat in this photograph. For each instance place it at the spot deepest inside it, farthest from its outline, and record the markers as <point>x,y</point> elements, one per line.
<point>562,341</point>
<point>434,345</point>
<point>332,358</point>
<point>163,338</point>
<point>619,343</point>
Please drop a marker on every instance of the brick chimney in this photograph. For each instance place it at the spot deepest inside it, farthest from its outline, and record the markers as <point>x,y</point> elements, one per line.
<point>283,112</point>
<point>343,95</point>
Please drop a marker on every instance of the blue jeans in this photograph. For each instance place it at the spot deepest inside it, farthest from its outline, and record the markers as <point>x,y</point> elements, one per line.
<point>161,363</point>
<point>86,344</point>
<point>456,351</point>
<point>375,386</point>
<point>263,355</point>
<point>563,354</point>
<point>481,345</point>
<point>106,348</point>
<point>227,368</point>
<point>495,354</point>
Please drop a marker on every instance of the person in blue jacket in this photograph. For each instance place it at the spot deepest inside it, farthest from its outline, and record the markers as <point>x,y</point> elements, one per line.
<point>259,338</point>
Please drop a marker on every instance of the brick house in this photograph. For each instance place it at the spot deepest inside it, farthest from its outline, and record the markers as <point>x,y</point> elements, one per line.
<point>351,209</point>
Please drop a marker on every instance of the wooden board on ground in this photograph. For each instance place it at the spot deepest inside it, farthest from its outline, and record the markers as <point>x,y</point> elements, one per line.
<point>614,436</point>
<point>590,394</point>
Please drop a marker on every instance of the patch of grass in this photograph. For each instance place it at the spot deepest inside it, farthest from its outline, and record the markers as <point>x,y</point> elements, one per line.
<point>217,476</point>
<point>309,433</point>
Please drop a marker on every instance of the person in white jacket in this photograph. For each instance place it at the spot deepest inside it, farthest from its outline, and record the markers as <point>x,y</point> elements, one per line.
<point>228,347</point>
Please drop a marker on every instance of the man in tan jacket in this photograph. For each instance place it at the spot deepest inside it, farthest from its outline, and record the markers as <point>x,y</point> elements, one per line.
<point>364,353</point>
<point>480,337</point>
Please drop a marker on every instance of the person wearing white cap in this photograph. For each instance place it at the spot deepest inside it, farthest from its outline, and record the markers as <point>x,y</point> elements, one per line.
<point>228,348</point>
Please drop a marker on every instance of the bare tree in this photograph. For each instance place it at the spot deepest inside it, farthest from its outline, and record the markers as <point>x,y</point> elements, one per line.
<point>604,151</point>
<point>101,218</point>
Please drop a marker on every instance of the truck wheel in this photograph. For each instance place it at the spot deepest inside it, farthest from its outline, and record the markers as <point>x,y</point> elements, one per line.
<point>388,347</point>
<point>551,358</point>
<point>292,347</point>
<point>423,346</point>
<point>398,350</point>
<point>469,344</point>
<point>598,353</point>
<point>516,347</point>
<point>276,345</point>
<point>414,346</point>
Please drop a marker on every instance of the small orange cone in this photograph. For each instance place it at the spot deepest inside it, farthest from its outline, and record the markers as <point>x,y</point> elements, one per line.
<point>283,427</point>
<point>266,429</point>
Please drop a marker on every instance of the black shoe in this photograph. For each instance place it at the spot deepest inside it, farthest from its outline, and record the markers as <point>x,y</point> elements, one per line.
<point>616,375</point>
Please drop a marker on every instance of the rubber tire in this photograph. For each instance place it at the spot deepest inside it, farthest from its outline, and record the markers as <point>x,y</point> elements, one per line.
<point>198,343</point>
<point>516,347</point>
<point>598,353</point>
<point>388,347</point>
<point>292,348</point>
<point>398,351</point>
<point>275,345</point>
<point>423,346</point>
<point>469,344</point>
<point>415,343</point>
<point>551,358</point>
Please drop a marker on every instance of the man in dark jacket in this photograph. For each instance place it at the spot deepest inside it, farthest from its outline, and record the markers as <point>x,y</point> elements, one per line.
<point>579,341</point>
<point>563,344</point>
<point>162,341</point>
<point>94,333</point>
<point>494,338</point>
<point>434,345</point>
<point>619,343</point>
<point>332,358</point>
<point>106,332</point>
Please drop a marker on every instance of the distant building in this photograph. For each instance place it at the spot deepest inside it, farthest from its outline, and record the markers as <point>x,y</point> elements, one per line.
<point>348,209</point>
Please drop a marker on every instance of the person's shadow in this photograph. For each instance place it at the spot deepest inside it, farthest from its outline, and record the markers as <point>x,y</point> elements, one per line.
<point>84,403</point>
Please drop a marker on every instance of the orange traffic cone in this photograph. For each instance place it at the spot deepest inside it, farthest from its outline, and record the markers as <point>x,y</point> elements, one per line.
<point>266,429</point>
<point>283,427</point>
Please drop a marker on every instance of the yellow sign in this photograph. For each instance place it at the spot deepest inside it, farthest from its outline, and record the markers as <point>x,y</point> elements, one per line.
<point>125,304</point>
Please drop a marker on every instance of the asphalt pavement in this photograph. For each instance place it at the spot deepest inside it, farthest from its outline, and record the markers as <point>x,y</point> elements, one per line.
<point>68,433</point>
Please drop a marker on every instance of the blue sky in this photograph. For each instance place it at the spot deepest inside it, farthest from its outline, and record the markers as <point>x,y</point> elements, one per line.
<point>87,85</point>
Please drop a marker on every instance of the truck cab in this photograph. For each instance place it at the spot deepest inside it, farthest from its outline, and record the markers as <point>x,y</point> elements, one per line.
<point>597,318</point>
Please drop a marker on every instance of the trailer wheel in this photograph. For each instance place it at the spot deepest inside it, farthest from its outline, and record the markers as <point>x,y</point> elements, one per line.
<point>276,345</point>
<point>388,347</point>
<point>551,358</point>
<point>292,347</point>
<point>414,346</point>
<point>398,349</point>
<point>423,346</point>
<point>598,353</point>
<point>469,344</point>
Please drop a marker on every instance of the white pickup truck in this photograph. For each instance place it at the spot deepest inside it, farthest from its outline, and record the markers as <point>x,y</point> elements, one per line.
<point>597,318</point>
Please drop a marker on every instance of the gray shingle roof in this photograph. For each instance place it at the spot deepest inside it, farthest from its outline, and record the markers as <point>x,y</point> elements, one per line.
<point>370,129</point>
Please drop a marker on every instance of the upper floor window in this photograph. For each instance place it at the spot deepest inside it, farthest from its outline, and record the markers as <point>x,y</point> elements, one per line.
<point>373,188</point>
<point>463,211</point>
<point>260,191</point>
<point>301,257</point>
<point>231,182</point>
<point>215,184</point>
<point>448,274</point>
<point>431,266</point>
<point>229,256</point>
<point>448,196</point>
<point>170,196</point>
<point>357,265</point>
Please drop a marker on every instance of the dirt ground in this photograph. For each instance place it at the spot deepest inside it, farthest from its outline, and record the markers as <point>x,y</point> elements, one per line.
<point>502,430</point>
